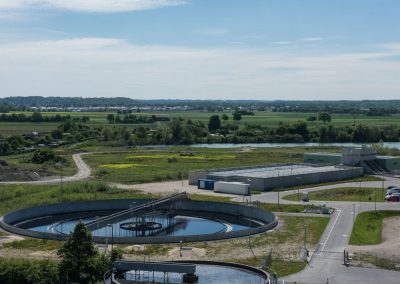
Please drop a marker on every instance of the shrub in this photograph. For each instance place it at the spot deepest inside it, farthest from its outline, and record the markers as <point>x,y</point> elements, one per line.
<point>44,155</point>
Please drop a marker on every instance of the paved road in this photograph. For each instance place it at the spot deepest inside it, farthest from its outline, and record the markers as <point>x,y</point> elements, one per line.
<point>83,173</point>
<point>327,262</point>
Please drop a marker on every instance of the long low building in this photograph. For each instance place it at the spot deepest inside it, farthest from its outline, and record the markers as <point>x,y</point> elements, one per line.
<point>265,178</point>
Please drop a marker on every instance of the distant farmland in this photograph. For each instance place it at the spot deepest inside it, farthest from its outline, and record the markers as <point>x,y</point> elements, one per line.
<point>269,119</point>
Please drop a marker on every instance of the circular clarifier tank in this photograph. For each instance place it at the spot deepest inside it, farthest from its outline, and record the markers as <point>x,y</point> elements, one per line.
<point>179,225</point>
<point>121,222</point>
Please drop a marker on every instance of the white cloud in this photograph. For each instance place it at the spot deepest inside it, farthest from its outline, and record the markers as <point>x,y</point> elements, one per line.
<point>115,67</point>
<point>101,6</point>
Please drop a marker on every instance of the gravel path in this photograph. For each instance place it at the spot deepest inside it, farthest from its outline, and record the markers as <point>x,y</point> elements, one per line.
<point>83,173</point>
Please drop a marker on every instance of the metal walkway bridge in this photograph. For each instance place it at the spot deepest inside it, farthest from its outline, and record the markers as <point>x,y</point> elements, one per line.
<point>140,209</point>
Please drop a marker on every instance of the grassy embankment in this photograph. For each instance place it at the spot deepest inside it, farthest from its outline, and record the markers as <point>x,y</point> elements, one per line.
<point>344,194</point>
<point>367,229</point>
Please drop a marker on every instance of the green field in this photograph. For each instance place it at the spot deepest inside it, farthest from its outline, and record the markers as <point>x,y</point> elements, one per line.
<point>269,119</point>
<point>367,229</point>
<point>174,163</point>
<point>344,194</point>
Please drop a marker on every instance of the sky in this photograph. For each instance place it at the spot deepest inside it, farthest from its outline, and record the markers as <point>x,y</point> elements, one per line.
<point>201,49</point>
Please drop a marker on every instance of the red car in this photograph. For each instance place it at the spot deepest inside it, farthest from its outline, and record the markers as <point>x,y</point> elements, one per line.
<point>395,197</point>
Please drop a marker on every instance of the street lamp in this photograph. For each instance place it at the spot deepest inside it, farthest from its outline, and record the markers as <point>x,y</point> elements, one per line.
<point>305,237</point>
<point>112,236</point>
<point>354,213</point>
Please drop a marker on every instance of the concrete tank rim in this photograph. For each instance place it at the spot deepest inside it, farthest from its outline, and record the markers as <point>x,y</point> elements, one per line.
<point>268,224</point>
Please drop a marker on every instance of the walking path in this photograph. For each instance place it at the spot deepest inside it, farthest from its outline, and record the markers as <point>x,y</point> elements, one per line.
<point>83,173</point>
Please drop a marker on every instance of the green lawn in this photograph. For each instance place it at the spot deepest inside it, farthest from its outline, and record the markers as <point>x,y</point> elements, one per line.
<point>364,194</point>
<point>367,229</point>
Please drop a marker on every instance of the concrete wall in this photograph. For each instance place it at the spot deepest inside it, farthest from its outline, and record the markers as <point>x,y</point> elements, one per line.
<point>352,156</point>
<point>265,184</point>
<point>312,178</point>
<point>267,219</point>
<point>390,164</point>
<point>321,158</point>
<point>203,174</point>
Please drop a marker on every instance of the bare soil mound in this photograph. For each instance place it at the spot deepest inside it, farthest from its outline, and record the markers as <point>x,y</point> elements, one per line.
<point>13,173</point>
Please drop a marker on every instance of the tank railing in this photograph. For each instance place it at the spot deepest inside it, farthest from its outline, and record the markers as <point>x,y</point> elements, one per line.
<point>102,222</point>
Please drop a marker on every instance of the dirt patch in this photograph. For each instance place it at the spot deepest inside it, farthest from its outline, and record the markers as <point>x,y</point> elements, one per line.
<point>13,173</point>
<point>169,187</point>
<point>9,239</point>
<point>187,253</point>
<point>390,245</point>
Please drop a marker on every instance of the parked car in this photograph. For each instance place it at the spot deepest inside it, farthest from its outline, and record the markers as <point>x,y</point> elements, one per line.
<point>393,190</point>
<point>394,197</point>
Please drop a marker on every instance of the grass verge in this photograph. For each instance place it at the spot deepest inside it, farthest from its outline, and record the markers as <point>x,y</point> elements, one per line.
<point>367,229</point>
<point>366,194</point>
<point>33,244</point>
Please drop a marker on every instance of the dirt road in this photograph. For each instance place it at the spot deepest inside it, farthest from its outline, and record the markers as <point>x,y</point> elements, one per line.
<point>83,173</point>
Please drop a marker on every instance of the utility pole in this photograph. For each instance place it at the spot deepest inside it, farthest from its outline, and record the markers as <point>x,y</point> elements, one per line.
<point>383,185</point>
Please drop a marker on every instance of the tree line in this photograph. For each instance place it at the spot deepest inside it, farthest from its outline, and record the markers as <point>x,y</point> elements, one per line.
<point>219,129</point>
<point>129,118</point>
<point>38,117</point>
